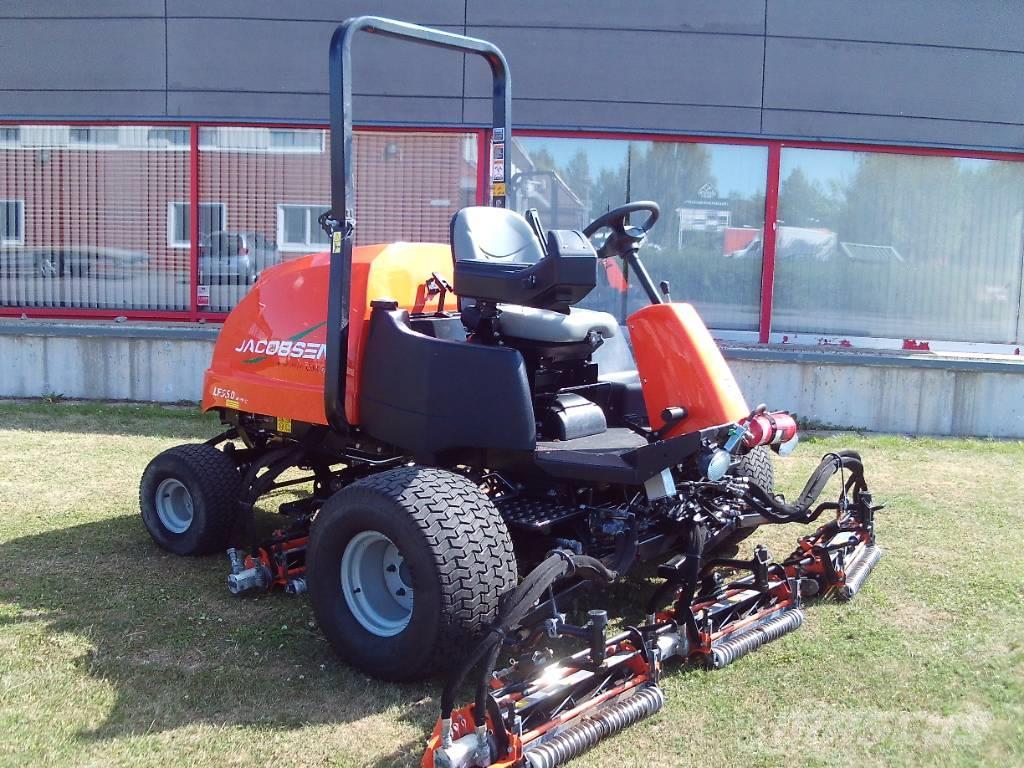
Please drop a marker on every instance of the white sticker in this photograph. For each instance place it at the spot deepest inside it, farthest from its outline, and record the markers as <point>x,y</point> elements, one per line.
<point>499,136</point>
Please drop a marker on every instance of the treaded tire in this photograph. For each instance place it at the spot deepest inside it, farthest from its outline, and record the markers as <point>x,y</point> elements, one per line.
<point>214,485</point>
<point>459,555</point>
<point>757,465</point>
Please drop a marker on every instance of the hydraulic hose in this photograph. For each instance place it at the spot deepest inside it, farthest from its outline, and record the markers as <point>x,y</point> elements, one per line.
<point>588,568</point>
<point>514,608</point>
<point>830,464</point>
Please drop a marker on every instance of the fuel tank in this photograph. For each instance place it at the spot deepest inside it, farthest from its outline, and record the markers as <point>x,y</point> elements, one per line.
<point>270,355</point>
<point>681,366</point>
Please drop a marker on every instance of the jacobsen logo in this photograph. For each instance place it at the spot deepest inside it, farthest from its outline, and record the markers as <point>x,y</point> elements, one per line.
<point>293,348</point>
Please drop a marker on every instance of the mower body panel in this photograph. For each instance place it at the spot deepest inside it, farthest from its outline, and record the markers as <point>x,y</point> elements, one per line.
<point>428,395</point>
<point>270,356</point>
<point>680,365</point>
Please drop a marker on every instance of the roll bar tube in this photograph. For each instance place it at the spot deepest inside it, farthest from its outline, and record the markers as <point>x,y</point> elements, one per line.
<point>340,222</point>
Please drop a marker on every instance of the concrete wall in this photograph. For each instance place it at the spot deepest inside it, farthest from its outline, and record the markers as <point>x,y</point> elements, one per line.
<point>891,392</point>
<point>909,71</point>
<point>103,361</point>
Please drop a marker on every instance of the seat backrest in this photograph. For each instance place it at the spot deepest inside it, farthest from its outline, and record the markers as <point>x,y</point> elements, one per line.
<point>482,233</point>
<point>499,259</point>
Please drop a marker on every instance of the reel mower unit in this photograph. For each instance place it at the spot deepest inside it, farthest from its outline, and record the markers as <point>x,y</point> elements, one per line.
<point>475,463</point>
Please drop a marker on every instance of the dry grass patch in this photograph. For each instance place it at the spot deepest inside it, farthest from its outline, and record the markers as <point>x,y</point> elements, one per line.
<point>115,653</point>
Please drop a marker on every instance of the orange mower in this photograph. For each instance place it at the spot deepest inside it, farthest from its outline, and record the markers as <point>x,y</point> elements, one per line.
<point>474,465</point>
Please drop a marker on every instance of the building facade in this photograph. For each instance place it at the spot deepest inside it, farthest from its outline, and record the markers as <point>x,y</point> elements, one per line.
<point>831,174</point>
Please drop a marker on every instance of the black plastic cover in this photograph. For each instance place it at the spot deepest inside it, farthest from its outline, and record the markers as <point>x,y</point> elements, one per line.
<point>429,395</point>
<point>571,416</point>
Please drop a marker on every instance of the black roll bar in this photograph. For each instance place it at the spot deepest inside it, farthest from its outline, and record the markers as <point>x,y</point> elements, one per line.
<point>340,221</point>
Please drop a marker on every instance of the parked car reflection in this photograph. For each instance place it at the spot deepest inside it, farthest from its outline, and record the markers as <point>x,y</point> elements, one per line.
<point>77,261</point>
<point>235,258</point>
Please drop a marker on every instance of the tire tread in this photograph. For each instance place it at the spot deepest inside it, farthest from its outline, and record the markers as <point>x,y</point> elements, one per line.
<point>219,483</point>
<point>470,544</point>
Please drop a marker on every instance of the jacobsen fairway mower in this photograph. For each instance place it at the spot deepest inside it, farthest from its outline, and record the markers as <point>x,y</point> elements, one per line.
<point>472,465</point>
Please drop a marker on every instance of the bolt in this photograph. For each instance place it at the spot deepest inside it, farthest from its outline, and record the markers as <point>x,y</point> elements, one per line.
<point>400,592</point>
<point>391,569</point>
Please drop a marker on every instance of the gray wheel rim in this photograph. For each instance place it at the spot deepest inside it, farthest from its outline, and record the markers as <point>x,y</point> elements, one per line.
<point>174,505</point>
<point>376,583</point>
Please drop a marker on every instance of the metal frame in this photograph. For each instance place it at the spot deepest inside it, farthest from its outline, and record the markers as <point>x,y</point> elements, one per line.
<point>765,333</point>
<point>342,229</point>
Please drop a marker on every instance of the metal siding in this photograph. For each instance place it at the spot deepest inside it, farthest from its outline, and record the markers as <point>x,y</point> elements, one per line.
<point>74,104</point>
<point>29,9</point>
<point>985,24</point>
<point>881,79</point>
<point>939,72</point>
<point>305,107</point>
<point>675,67</point>
<point>740,17</point>
<point>89,54</point>
<point>597,116</point>
<point>889,129</point>
<point>434,12</point>
<point>291,57</point>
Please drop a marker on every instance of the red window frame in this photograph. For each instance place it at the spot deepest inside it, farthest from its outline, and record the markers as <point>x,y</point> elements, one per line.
<point>765,333</point>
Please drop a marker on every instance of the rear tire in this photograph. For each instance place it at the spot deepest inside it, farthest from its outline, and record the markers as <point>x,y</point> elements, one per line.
<point>189,499</point>
<point>455,556</point>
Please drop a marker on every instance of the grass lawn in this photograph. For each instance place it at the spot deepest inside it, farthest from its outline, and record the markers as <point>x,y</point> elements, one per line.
<point>115,653</point>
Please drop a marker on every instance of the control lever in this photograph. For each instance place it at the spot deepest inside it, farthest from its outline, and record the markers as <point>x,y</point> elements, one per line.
<point>666,291</point>
<point>436,284</point>
<point>533,219</point>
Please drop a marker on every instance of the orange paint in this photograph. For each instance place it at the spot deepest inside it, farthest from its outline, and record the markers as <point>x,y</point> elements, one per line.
<point>680,365</point>
<point>270,355</point>
<point>398,271</point>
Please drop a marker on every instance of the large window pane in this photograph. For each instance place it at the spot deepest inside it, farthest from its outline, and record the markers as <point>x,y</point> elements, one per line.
<point>87,218</point>
<point>712,204</point>
<point>712,209</point>
<point>274,183</point>
<point>570,182</point>
<point>899,246</point>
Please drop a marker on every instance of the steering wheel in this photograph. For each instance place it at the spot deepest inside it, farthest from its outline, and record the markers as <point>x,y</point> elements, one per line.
<point>623,237</point>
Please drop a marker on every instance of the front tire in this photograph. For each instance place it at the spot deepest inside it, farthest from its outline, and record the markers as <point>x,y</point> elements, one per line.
<point>756,465</point>
<point>405,568</point>
<point>189,499</point>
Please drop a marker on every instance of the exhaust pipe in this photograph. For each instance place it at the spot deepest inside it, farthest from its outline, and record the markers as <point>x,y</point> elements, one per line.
<point>858,573</point>
<point>739,644</point>
<point>606,721</point>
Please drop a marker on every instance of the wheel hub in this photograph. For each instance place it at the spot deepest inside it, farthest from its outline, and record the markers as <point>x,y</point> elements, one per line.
<point>174,505</point>
<point>377,583</point>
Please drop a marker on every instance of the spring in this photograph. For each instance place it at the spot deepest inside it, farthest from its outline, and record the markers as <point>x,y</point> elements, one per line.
<point>607,720</point>
<point>858,573</point>
<point>740,644</point>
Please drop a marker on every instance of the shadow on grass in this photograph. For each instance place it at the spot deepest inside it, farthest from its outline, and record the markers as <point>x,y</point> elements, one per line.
<point>177,649</point>
<point>128,419</point>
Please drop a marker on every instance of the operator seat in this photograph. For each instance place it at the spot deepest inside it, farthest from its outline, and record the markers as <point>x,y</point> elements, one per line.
<point>501,262</point>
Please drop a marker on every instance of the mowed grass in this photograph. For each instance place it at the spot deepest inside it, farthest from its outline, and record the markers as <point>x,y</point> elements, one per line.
<point>115,653</point>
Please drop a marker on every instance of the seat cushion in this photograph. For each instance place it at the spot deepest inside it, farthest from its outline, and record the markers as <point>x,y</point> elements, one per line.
<point>554,327</point>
